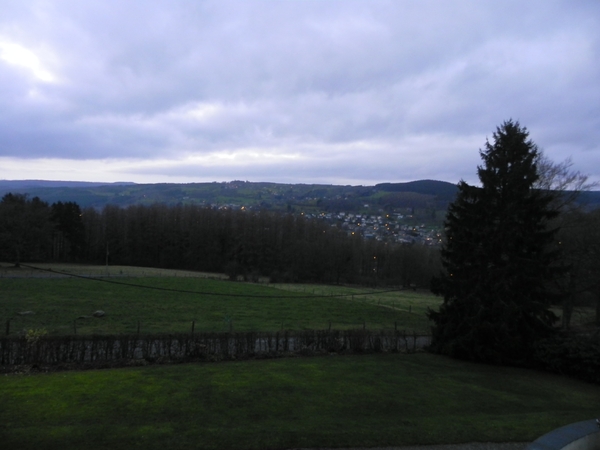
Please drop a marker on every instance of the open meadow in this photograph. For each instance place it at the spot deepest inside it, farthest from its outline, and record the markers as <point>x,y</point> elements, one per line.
<point>161,301</point>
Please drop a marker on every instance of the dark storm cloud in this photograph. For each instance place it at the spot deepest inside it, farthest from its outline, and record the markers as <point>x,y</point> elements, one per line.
<point>296,90</point>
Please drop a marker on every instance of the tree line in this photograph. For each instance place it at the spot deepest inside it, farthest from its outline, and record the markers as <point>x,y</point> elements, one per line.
<point>241,243</point>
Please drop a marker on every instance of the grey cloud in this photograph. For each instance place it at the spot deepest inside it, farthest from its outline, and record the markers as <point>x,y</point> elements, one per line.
<point>155,80</point>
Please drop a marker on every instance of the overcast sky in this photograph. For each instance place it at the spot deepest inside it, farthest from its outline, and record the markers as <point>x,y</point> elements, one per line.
<point>292,91</point>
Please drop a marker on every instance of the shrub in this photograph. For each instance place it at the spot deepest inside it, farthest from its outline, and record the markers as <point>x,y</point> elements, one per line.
<point>576,356</point>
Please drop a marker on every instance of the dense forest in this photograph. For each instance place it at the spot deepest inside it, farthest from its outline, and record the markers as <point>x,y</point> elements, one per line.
<point>245,244</point>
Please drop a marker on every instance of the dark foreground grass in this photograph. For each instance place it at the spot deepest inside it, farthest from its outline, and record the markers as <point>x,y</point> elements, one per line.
<point>65,306</point>
<point>332,401</point>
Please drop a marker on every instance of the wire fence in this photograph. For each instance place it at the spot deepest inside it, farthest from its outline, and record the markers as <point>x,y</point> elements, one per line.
<point>97,323</point>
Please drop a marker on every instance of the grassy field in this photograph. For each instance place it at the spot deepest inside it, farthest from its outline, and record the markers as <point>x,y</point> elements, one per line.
<point>414,302</point>
<point>170,301</point>
<point>8,270</point>
<point>331,401</point>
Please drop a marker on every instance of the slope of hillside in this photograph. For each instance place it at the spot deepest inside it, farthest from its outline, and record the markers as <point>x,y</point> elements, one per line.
<point>242,193</point>
<point>431,195</point>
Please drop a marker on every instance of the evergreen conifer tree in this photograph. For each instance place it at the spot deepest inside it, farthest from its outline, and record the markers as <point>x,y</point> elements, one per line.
<point>498,258</point>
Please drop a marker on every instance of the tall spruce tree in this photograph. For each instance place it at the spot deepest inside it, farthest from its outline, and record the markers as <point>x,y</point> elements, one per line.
<point>498,258</point>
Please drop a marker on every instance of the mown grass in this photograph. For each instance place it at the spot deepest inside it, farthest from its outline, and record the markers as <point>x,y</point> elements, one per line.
<point>331,401</point>
<point>407,300</point>
<point>63,305</point>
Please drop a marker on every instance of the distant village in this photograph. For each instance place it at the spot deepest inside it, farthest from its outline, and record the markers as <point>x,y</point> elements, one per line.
<point>393,227</point>
<point>387,228</point>
<point>396,227</point>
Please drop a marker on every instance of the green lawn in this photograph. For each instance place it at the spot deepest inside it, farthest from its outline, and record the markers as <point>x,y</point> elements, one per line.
<point>333,401</point>
<point>212,304</point>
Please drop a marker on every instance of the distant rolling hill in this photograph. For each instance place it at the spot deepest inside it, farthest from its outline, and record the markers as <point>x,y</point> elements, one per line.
<point>428,194</point>
<point>9,185</point>
<point>265,195</point>
<point>441,189</point>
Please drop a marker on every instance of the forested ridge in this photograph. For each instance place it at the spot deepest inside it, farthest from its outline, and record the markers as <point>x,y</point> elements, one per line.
<point>421,194</point>
<point>271,196</point>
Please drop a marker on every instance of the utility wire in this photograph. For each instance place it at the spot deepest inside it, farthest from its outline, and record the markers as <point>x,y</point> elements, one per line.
<point>220,294</point>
